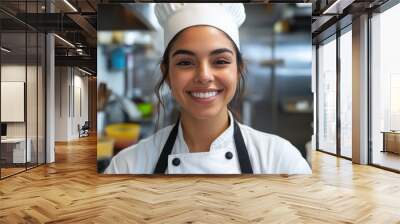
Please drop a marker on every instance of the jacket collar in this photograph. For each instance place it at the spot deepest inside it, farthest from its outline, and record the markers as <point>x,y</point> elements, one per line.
<point>224,140</point>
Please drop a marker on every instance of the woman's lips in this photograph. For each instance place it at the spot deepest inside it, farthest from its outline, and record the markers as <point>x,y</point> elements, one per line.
<point>204,96</point>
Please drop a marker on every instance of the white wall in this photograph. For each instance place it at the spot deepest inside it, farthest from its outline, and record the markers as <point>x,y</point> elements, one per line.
<point>79,117</point>
<point>61,103</point>
<point>70,83</point>
<point>14,73</point>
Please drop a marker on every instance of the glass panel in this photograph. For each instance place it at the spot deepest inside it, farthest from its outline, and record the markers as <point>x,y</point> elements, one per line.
<point>385,89</point>
<point>13,86</point>
<point>41,8</point>
<point>31,97</point>
<point>327,97</point>
<point>23,92</point>
<point>41,99</point>
<point>32,88</point>
<point>346,94</point>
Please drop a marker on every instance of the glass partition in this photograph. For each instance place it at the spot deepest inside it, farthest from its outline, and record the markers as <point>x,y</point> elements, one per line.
<point>14,152</point>
<point>385,89</point>
<point>22,89</point>
<point>41,86</point>
<point>31,98</point>
<point>327,96</point>
<point>346,93</point>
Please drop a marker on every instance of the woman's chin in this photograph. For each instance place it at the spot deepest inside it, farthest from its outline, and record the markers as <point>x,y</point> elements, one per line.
<point>204,113</point>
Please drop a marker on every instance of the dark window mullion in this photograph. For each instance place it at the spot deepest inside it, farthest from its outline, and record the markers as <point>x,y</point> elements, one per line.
<point>46,3</point>
<point>316,122</point>
<point>369,91</point>
<point>26,86</point>
<point>37,90</point>
<point>338,97</point>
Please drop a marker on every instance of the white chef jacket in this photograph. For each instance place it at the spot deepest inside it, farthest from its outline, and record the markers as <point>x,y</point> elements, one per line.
<point>269,154</point>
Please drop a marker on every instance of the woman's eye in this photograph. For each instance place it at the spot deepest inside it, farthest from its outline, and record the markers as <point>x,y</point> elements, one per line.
<point>184,63</point>
<point>222,62</point>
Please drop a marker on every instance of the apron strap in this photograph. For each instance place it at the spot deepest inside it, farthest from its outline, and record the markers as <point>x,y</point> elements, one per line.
<point>162,162</point>
<point>243,156</point>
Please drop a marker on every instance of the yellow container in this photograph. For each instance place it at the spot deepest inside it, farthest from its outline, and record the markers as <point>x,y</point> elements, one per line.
<point>123,134</point>
<point>105,148</point>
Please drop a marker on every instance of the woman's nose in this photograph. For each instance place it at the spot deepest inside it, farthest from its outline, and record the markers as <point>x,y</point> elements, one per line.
<point>204,73</point>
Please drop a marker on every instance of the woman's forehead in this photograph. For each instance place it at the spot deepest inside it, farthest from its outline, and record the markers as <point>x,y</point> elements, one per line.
<point>202,39</point>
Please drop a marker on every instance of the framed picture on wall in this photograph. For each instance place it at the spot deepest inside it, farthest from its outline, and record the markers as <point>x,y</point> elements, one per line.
<point>12,101</point>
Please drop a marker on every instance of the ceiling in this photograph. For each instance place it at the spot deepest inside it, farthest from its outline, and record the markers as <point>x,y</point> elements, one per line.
<point>76,22</point>
<point>332,15</point>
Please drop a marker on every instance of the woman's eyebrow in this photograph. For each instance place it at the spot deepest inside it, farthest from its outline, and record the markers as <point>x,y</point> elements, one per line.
<point>220,51</point>
<point>183,52</point>
<point>214,52</point>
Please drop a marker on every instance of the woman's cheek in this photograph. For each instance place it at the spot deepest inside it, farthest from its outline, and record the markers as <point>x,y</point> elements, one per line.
<point>175,90</point>
<point>177,84</point>
<point>232,91</point>
<point>231,84</point>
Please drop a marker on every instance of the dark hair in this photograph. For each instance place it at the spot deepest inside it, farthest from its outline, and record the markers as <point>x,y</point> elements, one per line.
<point>165,63</point>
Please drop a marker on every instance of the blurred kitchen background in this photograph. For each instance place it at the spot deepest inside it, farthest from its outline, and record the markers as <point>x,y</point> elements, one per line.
<point>276,45</point>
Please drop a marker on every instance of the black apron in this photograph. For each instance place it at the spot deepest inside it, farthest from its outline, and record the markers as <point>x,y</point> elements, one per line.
<point>243,156</point>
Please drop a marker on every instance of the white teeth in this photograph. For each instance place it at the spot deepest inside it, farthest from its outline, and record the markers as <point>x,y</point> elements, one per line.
<point>204,95</point>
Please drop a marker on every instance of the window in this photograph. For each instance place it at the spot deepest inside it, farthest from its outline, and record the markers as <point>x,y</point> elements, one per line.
<point>385,88</point>
<point>327,96</point>
<point>346,93</point>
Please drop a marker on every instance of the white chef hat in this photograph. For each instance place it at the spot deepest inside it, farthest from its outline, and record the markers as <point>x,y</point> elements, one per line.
<point>174,17</point>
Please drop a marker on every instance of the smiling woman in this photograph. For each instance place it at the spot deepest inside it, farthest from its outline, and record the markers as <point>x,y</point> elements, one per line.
<point>202,72</point>
<point>203,68</point>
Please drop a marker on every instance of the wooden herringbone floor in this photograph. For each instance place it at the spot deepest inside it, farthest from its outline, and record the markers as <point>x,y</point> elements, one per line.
<point>71,191</point>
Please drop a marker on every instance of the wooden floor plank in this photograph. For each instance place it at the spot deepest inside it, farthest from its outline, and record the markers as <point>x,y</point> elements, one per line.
<point>71,191</point>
